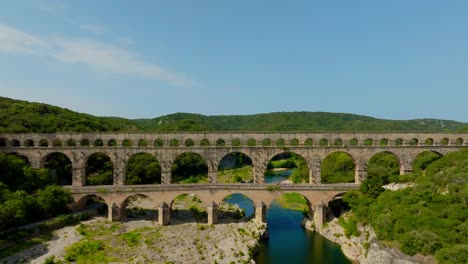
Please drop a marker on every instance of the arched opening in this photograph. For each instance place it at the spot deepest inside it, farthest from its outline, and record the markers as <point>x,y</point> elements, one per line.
<point>94,203</point>
<point>43,143</point>
<point>280,142</point>
<point>158,143</point>
<point>398,142</point>
<point>424,159</point>
<point>323,142</point>
<point>29,143</point>
<point>71,143</point>
<point>235,208</point>
<point>143,168</point>
<point>414,142</point>
<point>384,166</point>
<point>338,167</point>
<point>3,142</point>
<point>189,143</point>
<point>235,142</point>
<point>127,143</point>
<point>189,167</point>
<point>338,142</point>
<point>139,207</point>
<point>384,142</point>
<point>98,143</point>
<point>21,156</point>
<point>188,208</point>
<point>99,170</point>
<point>142,143</point>
<point>369,142</point>
<point>84,142</point>
<point>266,142</point>
<point>337,207</point>
<point>57,142</point>
<point>287,168</point>
<point>429,142</point>
<point>353,142</point>
<point>15,143</point>
<point>220,142</point>
<point>309,142</point>
<point>444,141</point>
<point>112,143</point>
<point>251,142</point>
<point>235,167</point>
<point>174,142</point>
<point>205,142</point>
<point>60,168</point>
<point>459,141</point>
<point>294,142</point>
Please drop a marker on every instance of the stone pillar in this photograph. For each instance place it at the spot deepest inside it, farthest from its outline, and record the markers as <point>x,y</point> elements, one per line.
<point>34,161</point>
<point>260,212</point>
<point>319,214</point>
<point>212,172</point>
<point>164,214</point>
<point>119,170</point>
<point>315,172</point>
<point>405,168</point>
<point>114,212</point>
<point>259,173</point>
<point>212,211</point>
<point>78,175</point>
<point>166,172</point>
<point>360,172</point>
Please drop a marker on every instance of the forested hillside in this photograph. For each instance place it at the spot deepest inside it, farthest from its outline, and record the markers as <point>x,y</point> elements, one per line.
<point>21,116</point>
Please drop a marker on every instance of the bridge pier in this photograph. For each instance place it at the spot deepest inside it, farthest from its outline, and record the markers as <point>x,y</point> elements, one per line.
<point>319,214</point>
<point>259,173</point>
<point>164,214</point>
<point>315,172</point>
<point>260,212</point>
<point>114,212</point>
<point>360,172</point>
<point>78,176</point>
<point>212,211</point>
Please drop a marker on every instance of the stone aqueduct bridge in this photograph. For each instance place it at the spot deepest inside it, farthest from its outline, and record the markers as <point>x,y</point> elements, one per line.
<point>213,146</point>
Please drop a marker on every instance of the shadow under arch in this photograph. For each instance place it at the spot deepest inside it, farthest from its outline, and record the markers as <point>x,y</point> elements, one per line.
<point>138,207</point>
<point>59,166</point>
<point>187,208</point>
<point>91,203</point>
<point>287,167</point>
<point>235,167</point>
<point>236,207</point>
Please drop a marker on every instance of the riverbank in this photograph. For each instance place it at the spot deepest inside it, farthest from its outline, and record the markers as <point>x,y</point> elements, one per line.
<point>365,248</point>
<point>144,241</point>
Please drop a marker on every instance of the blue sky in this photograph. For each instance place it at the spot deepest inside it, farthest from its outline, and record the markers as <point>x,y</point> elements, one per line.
<point>140,59</point>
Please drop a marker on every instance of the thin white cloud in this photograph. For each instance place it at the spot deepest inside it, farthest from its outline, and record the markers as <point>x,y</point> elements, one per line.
<point>93,28</point>
<point>15,41</point>
<point>100,56</point>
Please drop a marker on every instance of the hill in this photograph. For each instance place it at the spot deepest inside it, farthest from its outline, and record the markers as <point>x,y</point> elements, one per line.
<point>21,116</point>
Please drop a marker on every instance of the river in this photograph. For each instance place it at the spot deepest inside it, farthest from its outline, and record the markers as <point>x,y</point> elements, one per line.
<point>288,241</point>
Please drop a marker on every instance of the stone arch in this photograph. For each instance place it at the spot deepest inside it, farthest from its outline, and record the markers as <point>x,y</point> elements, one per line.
<point>98,143</point>
<point>384,163</point>
<point>353,142</point>
<point>323,142</point>
<point>295,201</point>
<point>413,142</point>
<point>188,207</point>
<point>398,142</point>
<point>280,142</point>
<point>220,142</point>
<point>29,143</point>
<point>337,206</point>
<point>127,143</point>
<point>459,141</point>
<point>57,142</point>
<point>266,142</point>
<point>368,142</point>
<point>3,142</point>
<point>15,143</point>
<point>71,143</point>
<point>205,142</point>
<point>236,142</point>
<point>429,142</point>
<point>338,142</point>
<point>84,142</point>
<point>444,141</point>
<point>235,207</point>
<point>142,143</point>
<point>43,143</point>
<point>138,206</point>
<point>251,142</point>
<point>383,142</point>
<point>235,167</point>
<point>112,143</point>
<point>292,161</point>
<point>174,142</point>
<point>21,156</point>
<point>424,159</point>
<point>189,142</point>
<point>294,142</point>
<point>158,143</point>
<point>59,165</point>
<point>189,167</point>
<point>86,200</point>
<point>144,169</point>
<point>338,167</point>
<point>309,142</point>
<point>99,169</point>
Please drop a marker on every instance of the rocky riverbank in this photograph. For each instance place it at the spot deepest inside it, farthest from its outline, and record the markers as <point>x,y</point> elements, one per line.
<point>143,241</point>
<point>365,248</point>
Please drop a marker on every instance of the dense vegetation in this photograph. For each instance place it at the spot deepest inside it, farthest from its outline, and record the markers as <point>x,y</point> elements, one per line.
<point>143,168</point>
<point>429,218</point>
<point>338,167</point>
<point>27,194</point>
<point>189,168</point>
<point>21,116</point>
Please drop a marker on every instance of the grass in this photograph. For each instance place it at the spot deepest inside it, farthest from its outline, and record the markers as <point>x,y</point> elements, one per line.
<point>242,174</point>
<point>293,201</point>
